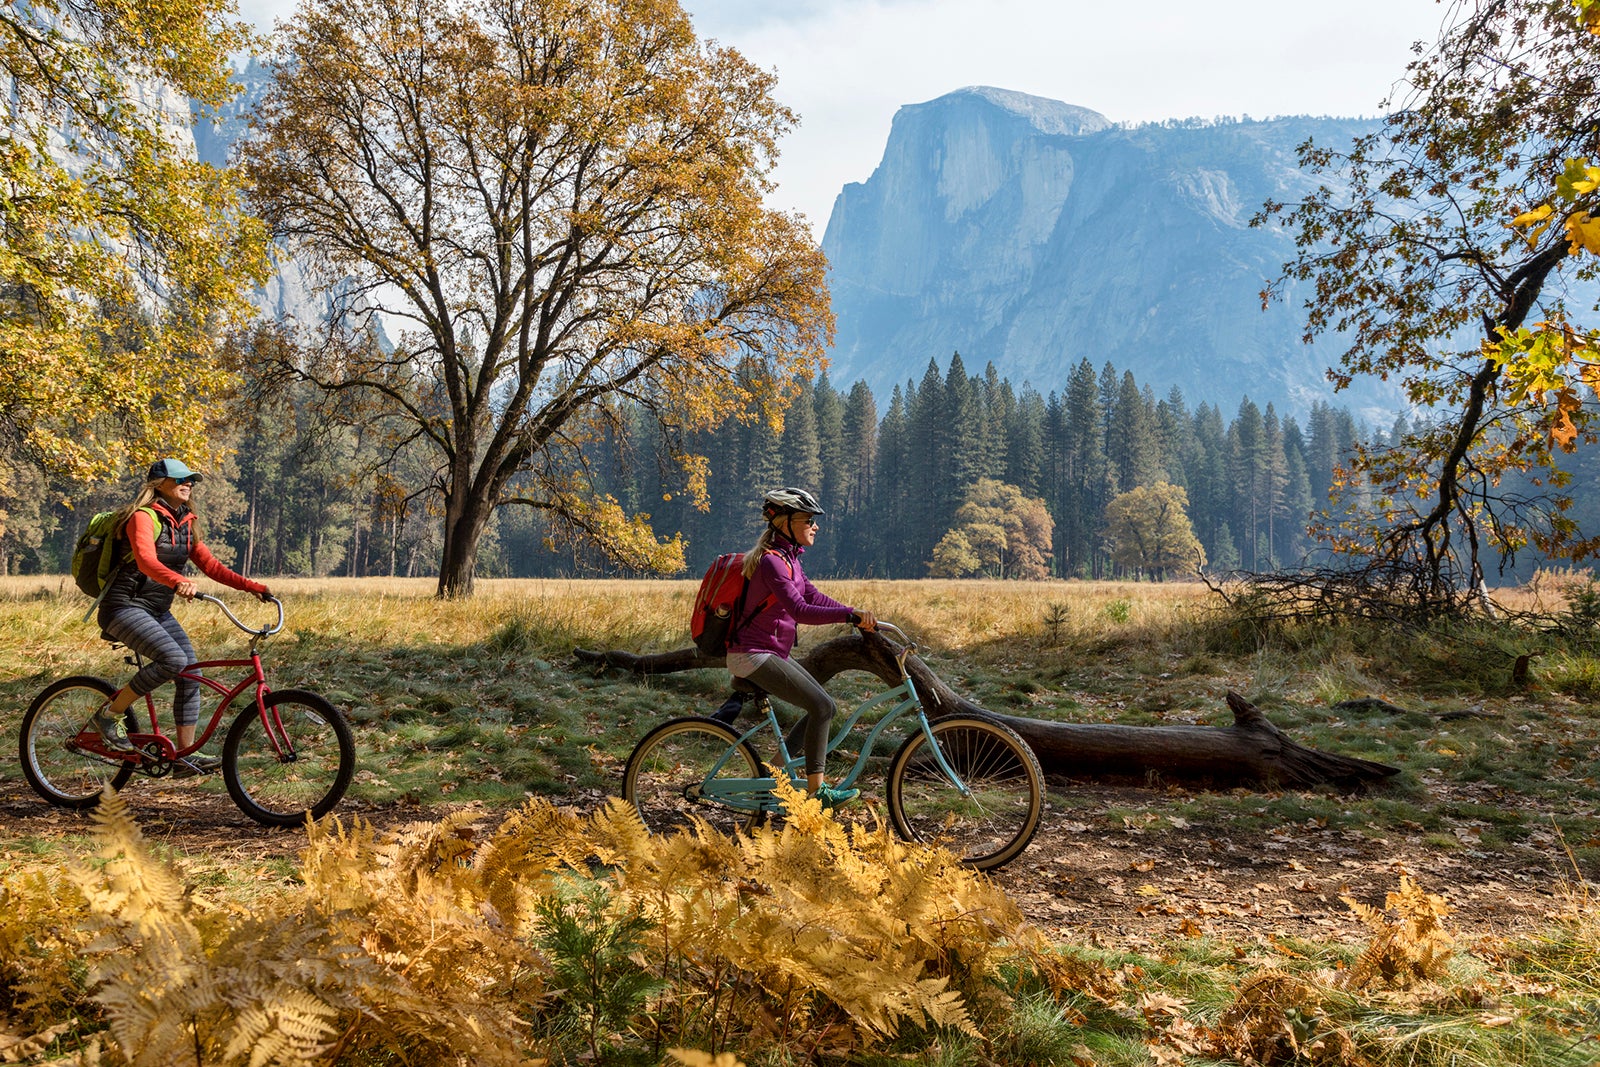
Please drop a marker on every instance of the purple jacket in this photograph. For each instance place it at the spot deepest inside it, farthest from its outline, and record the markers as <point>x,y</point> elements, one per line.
<point>794,600</point>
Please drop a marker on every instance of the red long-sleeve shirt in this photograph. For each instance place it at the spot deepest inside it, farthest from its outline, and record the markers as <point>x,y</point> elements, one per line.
<point>142,540</point>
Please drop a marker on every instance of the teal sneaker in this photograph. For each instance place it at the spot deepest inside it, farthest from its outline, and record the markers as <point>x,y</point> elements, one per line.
<point>832,796</point>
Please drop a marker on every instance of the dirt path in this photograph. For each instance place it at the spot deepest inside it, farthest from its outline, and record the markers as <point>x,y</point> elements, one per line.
<point>1144,881</point>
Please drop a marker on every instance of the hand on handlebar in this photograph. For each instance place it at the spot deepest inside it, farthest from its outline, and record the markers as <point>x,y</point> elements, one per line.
<point>186,589</point>
<point>865,620</point>
<point>265,595</point>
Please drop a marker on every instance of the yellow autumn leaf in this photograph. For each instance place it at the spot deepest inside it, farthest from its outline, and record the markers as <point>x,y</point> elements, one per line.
<point>1148,890</point>
<point>1583,231</point>
<point>1528,218</point>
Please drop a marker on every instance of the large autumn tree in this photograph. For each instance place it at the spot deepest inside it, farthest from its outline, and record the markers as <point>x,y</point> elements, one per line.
<point>122,258</point>
<point>549,206</point>
<point>999,532</point>
<point>1412,259</point>
<point>1148,532</point>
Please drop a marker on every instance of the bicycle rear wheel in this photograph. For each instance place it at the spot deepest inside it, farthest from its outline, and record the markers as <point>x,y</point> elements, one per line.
<point>664,776</point>
<point>991,825</point>
<point>280,788</point>
<point>54,766</point>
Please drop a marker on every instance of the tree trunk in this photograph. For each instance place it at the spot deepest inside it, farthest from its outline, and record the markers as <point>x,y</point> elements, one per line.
<point>1251,750</point>
<point>458,562</point>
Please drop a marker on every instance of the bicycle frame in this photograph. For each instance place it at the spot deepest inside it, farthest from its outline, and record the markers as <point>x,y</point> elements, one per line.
<point>257,678</point>
<point>755,794</point>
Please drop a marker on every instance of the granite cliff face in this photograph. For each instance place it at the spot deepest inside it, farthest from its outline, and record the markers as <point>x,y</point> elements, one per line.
<point>1034,234</point>
<point>290,295</point>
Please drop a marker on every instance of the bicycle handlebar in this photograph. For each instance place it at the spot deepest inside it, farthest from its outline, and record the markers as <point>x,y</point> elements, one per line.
<point>892,628</point>
<point>267,632</point>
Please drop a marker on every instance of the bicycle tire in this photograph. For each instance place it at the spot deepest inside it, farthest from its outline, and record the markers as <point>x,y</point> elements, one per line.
<point>672,760</point>
<point>277,792</point>
<point>64,777</point>
<point>990,827</point>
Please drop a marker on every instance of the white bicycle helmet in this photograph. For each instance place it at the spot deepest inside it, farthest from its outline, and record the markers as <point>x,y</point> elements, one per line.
<point>787,501</point>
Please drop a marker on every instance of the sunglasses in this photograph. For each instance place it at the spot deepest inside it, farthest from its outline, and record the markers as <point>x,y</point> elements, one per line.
<point>186,481</point>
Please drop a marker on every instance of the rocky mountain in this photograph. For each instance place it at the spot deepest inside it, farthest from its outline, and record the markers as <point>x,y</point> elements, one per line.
<point>289,295</point>
<point>1033,234</point>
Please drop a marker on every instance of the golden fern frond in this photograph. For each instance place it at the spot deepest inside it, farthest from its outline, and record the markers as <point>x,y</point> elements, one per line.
<point>1410,943</point>
<point>289,1027</point>
<point>42,939</point>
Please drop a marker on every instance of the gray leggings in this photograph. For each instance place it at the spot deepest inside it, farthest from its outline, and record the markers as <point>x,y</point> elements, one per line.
<point>166,651</point>
<point>793,684</point>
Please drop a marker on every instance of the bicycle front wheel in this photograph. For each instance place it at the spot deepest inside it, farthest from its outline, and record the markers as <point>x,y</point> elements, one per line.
<point>666,775</point>
<point>993,822</point>
<point>279,784</point>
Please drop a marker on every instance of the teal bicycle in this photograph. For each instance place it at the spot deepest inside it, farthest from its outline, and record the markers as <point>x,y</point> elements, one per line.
<point>966,782</point>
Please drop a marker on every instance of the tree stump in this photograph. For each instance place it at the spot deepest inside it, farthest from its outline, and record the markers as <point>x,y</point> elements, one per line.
<point>1251,751</point>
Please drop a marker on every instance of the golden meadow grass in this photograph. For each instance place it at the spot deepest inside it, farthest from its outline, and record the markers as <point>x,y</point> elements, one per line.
<point>41,617</point>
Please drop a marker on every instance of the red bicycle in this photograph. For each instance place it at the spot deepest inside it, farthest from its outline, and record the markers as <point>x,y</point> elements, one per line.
<point>288,754</point>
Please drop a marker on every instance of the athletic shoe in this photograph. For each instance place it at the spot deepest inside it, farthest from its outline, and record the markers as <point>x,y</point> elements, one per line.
<point>832,796</point>
<point>111,730</point>
<point>730,709</point>
<point>190,766</point>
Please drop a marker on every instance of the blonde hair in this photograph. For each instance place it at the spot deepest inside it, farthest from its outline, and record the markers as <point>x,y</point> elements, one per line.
<point>752,558</point>
<point>147,493</point>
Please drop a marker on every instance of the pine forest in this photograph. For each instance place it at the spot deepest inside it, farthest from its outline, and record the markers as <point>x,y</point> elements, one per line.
<point>304,493</point>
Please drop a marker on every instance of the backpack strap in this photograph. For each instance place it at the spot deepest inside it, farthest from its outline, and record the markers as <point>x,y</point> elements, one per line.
<point>107,555</point>
<point>764,605</point>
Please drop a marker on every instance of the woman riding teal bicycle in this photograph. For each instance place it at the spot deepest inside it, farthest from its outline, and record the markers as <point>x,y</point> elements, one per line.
<point>758,650</point>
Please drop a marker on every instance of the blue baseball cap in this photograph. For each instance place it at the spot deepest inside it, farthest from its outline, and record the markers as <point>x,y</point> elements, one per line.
<point>176,469</point>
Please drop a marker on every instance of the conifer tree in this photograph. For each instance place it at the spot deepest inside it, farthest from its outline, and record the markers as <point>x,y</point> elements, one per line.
<point>997,399</point>
<point>929,509</point>
<point>965,437</point>
<point>1245,464</point>
<point>1296,506</point>
<point>892,499</point>
<point>1175,431</point>
<point>858,482</point>
<point>1089,474</point>
<point>1271,482</point>
<point>1131,443</point>
<point>1025,437</point>
<point>828,409</point>
<point>1209,493</point>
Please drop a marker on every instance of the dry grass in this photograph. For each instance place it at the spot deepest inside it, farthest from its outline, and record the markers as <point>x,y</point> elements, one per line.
<point>41,617</point>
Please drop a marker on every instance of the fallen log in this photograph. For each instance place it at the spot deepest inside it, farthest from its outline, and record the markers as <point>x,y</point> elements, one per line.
<point>1251,751</point>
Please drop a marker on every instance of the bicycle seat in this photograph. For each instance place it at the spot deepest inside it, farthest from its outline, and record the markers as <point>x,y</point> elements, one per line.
<point>746,686</point>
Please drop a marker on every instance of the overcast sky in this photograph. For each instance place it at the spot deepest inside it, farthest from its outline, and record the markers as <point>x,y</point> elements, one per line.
<point>847,65</point>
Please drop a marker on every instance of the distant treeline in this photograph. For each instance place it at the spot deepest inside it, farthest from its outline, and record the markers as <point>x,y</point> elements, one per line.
<point>307,494</point>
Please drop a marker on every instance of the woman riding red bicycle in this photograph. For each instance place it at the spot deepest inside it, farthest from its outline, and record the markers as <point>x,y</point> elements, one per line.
<point>156,532</point>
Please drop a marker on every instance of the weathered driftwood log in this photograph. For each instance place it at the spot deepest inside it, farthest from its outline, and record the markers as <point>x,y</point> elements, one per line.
<point>1251,750</point>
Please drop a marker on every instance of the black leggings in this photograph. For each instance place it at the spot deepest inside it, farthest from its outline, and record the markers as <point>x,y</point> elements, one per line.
<point>793,684</point>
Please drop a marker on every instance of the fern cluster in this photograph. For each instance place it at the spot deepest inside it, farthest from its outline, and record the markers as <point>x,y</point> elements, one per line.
<point>815,923</point>
<point>551,937</point>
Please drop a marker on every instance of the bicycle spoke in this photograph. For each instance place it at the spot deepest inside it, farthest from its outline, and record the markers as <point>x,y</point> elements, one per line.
<point>993,821</point>
<point>51,761</point>
<point>666,775</point>
<point>276,783</point>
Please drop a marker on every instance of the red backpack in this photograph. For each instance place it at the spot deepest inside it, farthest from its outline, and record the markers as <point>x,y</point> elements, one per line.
<point>719,605</point>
